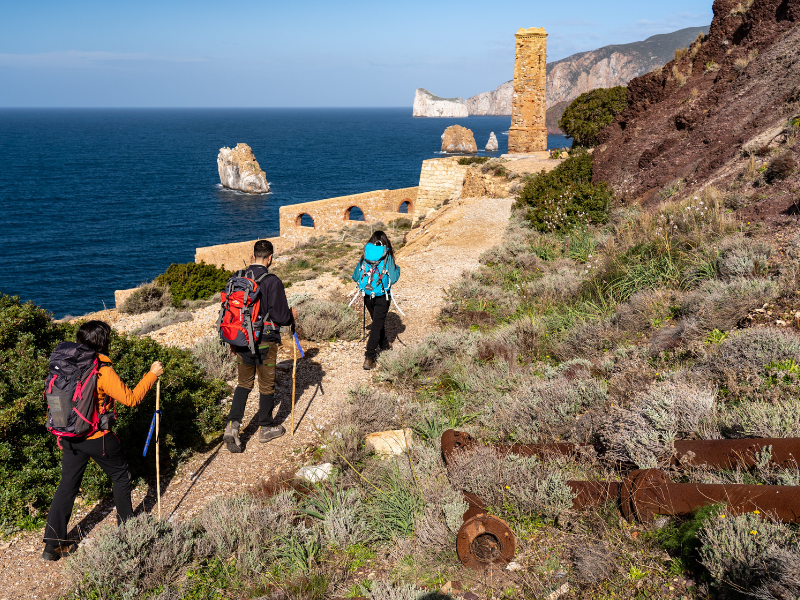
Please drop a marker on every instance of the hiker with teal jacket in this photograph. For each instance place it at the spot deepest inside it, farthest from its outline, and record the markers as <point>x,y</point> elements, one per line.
<point>375,274</point>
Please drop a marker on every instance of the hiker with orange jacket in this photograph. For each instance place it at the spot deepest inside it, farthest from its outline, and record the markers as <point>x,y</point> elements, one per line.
<point>102,445</point>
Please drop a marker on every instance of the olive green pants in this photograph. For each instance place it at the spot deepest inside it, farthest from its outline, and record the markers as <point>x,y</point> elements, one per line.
<point>264,366</point>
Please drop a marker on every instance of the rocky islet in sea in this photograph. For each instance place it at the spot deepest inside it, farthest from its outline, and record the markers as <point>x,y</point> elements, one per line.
<point>239,170</point>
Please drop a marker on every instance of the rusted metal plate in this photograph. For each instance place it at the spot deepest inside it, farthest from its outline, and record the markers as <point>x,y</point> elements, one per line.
<point>726,454</point>
<point>484,540</point>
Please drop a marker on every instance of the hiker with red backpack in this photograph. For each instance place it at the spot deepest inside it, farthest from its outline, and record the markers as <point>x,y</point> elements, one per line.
<point>80,391</point>
<point>374,275</point>
<point>254,308</point>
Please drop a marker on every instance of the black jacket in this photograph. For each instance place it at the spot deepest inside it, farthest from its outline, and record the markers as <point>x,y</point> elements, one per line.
<point>273,301</point>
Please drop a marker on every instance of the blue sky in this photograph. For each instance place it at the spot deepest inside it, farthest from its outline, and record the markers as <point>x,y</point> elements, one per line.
<point>297,53</point>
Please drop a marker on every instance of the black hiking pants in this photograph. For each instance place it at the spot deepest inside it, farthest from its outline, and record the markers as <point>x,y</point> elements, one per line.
<point>378,308</point>
<point>106,451</point>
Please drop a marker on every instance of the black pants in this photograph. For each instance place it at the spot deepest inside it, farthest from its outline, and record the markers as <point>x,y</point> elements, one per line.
<point>378,308</point>
<point>107,453</point>
<point>249,366</point>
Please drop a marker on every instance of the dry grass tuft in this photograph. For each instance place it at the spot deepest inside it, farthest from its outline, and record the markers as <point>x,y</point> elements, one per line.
<point>147,297</point>
<point>166,316</point>
<point>215,359</point>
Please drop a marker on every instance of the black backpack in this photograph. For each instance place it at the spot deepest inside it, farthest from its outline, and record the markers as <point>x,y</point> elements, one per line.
<point>71,391</point>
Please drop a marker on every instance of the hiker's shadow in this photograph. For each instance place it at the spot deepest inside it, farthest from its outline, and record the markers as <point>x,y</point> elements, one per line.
<point>309,376</point>
<point>394,327</point>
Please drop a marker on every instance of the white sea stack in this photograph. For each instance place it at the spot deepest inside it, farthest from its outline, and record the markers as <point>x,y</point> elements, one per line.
<point>239,170</point>
<point>429,105</point>
<point>497,102</point>
<point>491,145</point>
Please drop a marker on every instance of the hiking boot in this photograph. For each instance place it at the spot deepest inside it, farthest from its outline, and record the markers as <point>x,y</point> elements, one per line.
<point>267,434</point>
<point>385,346</point>
<point>52,552</point>
<point>231,437</point>
<point>369,363</point>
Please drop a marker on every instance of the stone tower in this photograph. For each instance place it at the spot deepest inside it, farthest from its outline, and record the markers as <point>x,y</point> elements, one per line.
<point>528,132</point>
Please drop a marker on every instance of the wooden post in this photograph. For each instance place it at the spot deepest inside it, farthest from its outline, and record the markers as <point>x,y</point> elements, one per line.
<point>158,462</point>
<point>294,378</point>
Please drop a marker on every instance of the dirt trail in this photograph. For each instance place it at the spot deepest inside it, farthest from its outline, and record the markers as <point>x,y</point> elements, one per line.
<point>434,256</point>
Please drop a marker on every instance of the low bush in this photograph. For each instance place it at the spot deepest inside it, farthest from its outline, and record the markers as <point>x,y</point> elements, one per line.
<point>324,320</point>
<point>513,484</point>
<point>193,281</point>
<point>743,257</point>
<point>748,552</point>
<point>643,435</point>
<point>724,305</point>
<point>762,419</point>
<point>592,111</point>
<point>147,297</point>
<point>426,359</point>
<point>472,160</point>
<point>780,168</point>
<point>138,556</point>
<point>565,197</point>
<point>216,360</point>
<point>29,457</point>
<point>166,316</point>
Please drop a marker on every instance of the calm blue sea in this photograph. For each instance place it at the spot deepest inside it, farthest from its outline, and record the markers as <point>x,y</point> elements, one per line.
<point>94,200</point>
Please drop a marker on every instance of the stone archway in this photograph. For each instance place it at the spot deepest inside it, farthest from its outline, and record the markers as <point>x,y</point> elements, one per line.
<point>354,213</point>
<point>406,207</point>
<point>304,220</point>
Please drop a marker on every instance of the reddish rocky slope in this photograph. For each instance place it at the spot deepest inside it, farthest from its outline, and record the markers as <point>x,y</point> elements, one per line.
<point>696,118</point>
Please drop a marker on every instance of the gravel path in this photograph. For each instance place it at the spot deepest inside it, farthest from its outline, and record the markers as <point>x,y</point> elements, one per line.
<point>433,257</point>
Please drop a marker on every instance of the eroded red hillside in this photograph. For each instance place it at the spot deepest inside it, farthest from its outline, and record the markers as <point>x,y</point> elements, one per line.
<point>700,117</point>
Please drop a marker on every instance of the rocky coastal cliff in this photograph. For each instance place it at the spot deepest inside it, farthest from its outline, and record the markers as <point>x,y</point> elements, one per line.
<point>605,67</point>
<point>429,105</point>
<point>239,170</point>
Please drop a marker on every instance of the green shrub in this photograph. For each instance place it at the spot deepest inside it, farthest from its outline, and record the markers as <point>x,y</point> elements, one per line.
<point>29,457</point>
<point>147,297</point>
<point>193,281</point>
<point>140,555</point>
<point>324,320</point>
<point>592,111</point>
<point>747,552</point>
<point>565,197</point>
<point>472,160</point>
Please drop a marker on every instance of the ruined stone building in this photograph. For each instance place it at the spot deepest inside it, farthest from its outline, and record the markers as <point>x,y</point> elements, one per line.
<point>528,132</point>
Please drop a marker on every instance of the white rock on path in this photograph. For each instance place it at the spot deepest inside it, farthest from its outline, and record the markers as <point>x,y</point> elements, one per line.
<point>491,145</point>
<point>315,473</point>
<point>239,170</point>
<point>429,105</point>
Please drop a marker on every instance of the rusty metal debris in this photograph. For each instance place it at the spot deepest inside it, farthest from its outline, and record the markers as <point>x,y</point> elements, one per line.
<point>646,493</point>
<point>720,454</point>
<point>484,540</point>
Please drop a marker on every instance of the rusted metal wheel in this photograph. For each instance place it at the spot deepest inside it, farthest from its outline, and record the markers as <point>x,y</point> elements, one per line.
<point>484,540</point>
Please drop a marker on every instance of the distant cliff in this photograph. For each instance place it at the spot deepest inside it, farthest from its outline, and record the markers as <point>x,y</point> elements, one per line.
<point>608,66</point>
<point>429,105</point>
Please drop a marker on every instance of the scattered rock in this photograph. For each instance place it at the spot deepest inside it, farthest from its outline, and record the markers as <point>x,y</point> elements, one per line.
<point>458,139</point>
<point>564,589</point>
<point>491,145</point>
<point>239,170</point>
<point>315,473</point>
<point>389,443</point>
<point>429,105</point>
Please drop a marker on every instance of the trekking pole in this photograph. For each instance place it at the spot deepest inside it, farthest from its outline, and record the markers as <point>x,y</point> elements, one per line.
<point>158,466</point>
<point>294,379</point>
<point>294,372</point>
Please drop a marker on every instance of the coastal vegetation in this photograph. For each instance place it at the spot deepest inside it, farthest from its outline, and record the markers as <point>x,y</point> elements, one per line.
<point>591,112</point>
<point>29,458</point>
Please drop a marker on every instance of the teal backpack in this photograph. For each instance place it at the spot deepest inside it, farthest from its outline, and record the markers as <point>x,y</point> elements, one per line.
<point>375,271</point>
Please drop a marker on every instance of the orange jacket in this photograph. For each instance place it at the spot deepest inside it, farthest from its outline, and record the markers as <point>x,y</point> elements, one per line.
<point>111,388</point>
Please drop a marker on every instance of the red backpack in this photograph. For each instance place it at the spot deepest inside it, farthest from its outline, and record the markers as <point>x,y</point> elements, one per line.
<point>240,322</point>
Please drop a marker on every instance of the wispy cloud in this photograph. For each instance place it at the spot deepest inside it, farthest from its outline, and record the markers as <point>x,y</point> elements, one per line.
<point>79,59</point>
